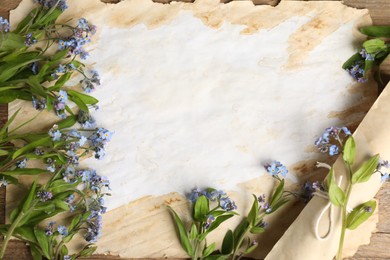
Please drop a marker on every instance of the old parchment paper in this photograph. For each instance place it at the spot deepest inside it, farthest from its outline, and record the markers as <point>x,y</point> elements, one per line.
<point>201,95</point>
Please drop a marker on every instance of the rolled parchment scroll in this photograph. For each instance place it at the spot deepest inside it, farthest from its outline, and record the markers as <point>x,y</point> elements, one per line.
<point>299,241</point>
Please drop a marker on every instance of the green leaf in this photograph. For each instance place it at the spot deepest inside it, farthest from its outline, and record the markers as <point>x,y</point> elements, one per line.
<point>208,250</point>
<point>193,232</point>
<point>241,230</point>
<point>60,82</point>
<point>376,31</point>
<point>336,195</point>
<point>36,86</point>
<point>3,130</point>
<point>25,171</point>
<point>360,214</point>
<point>88,251</point>
<point>216,257</point>
<point>31,195</point>
<point>13,41</point>
<point>22,25</point>
<point>35,253</point>
<point>277,205</point>
<point>3,152</point>
<point>8,96</point>
<point>201,208</point>
<point>277,194</point>
<point>368,64</point>
<point>59,186</point>
<point>349,151</point>
<point>43,241</point>
<point>59,55</point>
<point>60,204</point>
<point>87,99</point>
<point>64,250</point>
<point>27,233</point>
<point>365,172</point>
<point>352,60</point>
<point>257,230</point>
<point>184,240</point>
<point>228,243</point>
<point>40,142</point>
<point>254,212</point>
<point>250,249</point>
<point>75,222</point>
<point>374,45</point>
<point>80,103</point>
<point>215,224</point>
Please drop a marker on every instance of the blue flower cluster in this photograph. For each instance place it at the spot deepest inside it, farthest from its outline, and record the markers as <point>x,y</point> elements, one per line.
<point>80,37</point>
<point>331,134</point>
<point>60,104</point>
<point>30,40</point>
<point>54,133</point>
<point>357,70</point>
<point>86,120</point>
<point>4,25</point>
<point>49,229</point>
<point>39,103</point>
<point>213,195</point>
<point>99,140</point>
<point>44,195</point>
<point>94,183</point>
<point>88,83</point>
<point>48,4</point>
<point>210,219</point>
<point>276,168</point>
<point>263,204</point>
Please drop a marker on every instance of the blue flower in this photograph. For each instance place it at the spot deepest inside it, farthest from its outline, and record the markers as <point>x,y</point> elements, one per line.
<point>333,150</point>
<point>82,140</point>
<point>385,177</point>
<point>3,182</point>
<point>357,72</point>
<point>210,219</point>
<point>30,40</point>
<point>49,228</point>
<point>48,4</point>
<point>195,194</point>
<point>54,133</point>
<point>62,96</point>
<point>67,257</point>
<point>324,142</point>
<point>228,204</point>
<point>21,163</point>
<point>44,195</point>
<point>62,230</point>
<point>86,120</point>
<point>100,153</point>
<point>366,55</point>
<point>4,25</point>
<point>276,168</point>
<point>214,195</point>
<point>39,104</point>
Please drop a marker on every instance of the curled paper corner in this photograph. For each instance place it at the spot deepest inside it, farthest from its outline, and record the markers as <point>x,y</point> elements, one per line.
<point>299,241</point>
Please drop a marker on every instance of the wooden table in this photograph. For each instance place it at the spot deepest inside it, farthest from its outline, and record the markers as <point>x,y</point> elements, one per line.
<point>378,249</point>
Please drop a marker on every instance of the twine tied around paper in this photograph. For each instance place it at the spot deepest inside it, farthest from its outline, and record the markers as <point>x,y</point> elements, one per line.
<point>329,206</point>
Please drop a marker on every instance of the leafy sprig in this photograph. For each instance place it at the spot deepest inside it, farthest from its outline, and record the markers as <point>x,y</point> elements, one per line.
<point>211,208</point>
<point>373,52</point>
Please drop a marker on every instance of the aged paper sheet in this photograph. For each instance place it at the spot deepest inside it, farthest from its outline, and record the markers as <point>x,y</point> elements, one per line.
<point>202,95</point>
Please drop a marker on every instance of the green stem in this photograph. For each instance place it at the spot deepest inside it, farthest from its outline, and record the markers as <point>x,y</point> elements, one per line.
<point>9,234</point>
<point>344,217</point>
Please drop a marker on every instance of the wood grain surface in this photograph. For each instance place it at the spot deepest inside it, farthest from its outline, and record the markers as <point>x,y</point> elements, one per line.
<point>378,249</point>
